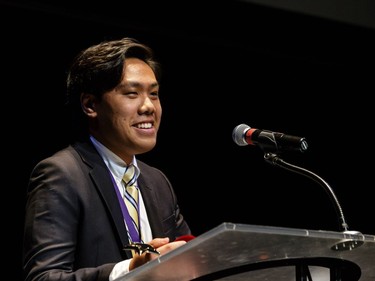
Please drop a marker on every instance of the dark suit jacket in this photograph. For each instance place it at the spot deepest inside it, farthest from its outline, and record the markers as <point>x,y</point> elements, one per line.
<point>74,228</point>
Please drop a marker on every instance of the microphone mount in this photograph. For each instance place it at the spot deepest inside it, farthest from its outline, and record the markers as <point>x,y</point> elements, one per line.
<point>346,244</point>
<point>274,159</point>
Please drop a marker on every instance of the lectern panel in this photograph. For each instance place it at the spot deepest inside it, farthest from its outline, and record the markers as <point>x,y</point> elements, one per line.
<point>252,252</point>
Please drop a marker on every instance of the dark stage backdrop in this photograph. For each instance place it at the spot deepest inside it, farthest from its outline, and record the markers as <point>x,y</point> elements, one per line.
<point>232,63</point>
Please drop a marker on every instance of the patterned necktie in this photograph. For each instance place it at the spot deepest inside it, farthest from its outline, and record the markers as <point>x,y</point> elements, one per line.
<point>131,195</point>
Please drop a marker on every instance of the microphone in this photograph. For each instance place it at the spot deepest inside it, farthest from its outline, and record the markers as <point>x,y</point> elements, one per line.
<point>267,140</point>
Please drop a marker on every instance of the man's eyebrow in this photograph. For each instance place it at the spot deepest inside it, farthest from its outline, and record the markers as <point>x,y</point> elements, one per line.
<point>134,84</point>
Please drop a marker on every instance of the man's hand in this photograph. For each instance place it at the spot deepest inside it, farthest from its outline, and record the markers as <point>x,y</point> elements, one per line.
<point>162,245</point>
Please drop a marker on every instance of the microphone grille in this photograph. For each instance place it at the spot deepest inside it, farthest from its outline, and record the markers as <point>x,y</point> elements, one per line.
<point>238,134</point>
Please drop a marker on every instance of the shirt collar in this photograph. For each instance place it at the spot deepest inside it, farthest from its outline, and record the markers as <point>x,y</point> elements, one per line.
<point>114,163</point>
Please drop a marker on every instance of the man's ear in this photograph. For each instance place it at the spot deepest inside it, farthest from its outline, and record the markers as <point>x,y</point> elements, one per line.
<point>88,103</point>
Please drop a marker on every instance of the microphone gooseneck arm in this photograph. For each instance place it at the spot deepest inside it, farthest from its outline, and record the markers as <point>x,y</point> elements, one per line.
<point>276,160</point>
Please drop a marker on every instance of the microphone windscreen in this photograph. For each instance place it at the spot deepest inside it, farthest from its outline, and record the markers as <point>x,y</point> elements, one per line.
<point>238,134</point>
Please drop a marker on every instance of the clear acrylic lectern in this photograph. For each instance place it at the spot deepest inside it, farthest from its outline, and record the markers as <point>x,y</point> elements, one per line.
<point>261,253</point>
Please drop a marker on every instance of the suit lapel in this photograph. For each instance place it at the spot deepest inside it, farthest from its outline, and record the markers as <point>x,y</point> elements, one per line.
<point>152,207</point>
<point>102,181</point>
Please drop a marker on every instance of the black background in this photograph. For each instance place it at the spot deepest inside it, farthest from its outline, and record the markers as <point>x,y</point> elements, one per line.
<point>224,64</point>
